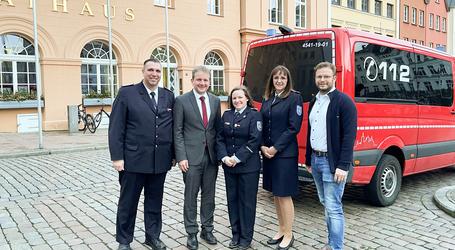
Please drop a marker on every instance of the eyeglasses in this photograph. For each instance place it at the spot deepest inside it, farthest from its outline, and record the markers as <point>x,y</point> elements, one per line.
<point>325,77</point>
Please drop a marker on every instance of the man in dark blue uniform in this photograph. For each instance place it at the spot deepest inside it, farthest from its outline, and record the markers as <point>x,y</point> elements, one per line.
<point>141,148</point>
<point>238,148</point>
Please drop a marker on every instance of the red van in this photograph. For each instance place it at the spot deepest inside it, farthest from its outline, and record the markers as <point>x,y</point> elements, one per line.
<point>403,92</point>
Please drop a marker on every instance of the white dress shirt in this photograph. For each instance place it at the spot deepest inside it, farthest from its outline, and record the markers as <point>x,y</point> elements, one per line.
<point>318,122</point>
<point>199,105</point>
<point>149,91</point>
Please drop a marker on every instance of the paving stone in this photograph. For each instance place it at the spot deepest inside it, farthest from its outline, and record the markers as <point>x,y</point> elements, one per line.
<point>68,201</point>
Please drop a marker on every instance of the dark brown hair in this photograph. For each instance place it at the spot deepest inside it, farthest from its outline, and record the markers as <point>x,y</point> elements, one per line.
<point>269,88</point>
<point>325,65</point>
<point>249,103</point>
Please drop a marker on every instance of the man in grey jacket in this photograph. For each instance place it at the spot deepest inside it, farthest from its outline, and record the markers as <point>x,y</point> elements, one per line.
<point>197,119</point>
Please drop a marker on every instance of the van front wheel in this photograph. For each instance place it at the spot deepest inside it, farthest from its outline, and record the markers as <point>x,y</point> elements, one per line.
<point>386,182</point>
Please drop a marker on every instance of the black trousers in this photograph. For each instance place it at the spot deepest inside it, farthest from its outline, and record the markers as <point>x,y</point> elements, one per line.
<point>241,190</point>
<point>131,185</point>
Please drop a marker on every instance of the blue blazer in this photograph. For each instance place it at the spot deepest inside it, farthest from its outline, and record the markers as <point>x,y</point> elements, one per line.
<point>139,134</point>
<point>241,136</point>
<point>282,120</point>
<point>341,131</point>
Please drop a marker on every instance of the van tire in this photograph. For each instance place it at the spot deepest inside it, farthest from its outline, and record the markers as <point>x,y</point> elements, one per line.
<point>386,182</point>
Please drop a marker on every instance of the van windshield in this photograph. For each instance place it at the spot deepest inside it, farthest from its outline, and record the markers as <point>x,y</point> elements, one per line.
<point>299,57</point>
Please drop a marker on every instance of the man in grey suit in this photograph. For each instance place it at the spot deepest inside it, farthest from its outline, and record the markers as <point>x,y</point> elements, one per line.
<point>197,119</point>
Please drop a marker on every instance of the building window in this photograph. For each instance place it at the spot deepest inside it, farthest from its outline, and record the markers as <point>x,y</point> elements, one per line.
<point>414,16</point>
<point>276,11</point>
<point>390,10</point>
<point>430,21</point>
<point>215,64</point>
<point>406,14</point>
<point>170,3</point>
<point>413,40</point>
<point>431,45</point>
<point>437,22</point>
<point>406,39</point>
<point>17,65</point>
<point>300,13</point>
<point>422,42</point>
<point>421,18</point>
<point>336,2</point>
<point>95,68</point>
<point>351,4</point>
<point>444,24</point>
<point>365,5</point>
<point>214,7</point>
<point>161,55</point>
<point>378,7</point>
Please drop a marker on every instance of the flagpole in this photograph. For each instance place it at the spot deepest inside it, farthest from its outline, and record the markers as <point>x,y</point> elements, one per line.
<point>168,71</point>
<point>38,77</point>
<point>111,70</point>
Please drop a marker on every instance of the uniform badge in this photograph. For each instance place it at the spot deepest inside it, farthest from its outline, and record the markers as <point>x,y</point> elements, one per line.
<point>259,125</point>
<point>227,123</point>
<point>299,110</point>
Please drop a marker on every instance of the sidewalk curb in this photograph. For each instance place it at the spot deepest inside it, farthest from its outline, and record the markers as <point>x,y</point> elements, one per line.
<point>38,152</point>
<point>442,199</point>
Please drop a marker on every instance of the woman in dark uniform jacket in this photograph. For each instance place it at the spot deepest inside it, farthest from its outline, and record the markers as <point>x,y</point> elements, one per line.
<point>238,148</point>
<point>282,117</point>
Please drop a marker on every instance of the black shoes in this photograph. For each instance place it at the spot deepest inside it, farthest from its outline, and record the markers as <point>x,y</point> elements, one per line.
<point>124,247</point>
<point>191,242</point>
<point>155,244</point>
<point>273,241</point>
<point>208,237</point>
<point>286,247</point>
<point>233,244</point>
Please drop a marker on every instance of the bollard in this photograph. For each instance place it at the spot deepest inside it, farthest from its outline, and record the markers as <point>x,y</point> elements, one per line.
<point>73,126</point>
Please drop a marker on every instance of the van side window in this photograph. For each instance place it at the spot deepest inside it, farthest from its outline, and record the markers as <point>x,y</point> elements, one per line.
<point>384,74</point>
<point>434,78</point>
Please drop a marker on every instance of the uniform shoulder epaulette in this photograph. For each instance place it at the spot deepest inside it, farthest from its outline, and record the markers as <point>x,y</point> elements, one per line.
<point>167,89</point>
<point>128,85</point>
<point>295,91</point>
<point>255,109</point>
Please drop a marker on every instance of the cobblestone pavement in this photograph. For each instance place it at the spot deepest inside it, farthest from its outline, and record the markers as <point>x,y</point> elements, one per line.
<point>68,201</point>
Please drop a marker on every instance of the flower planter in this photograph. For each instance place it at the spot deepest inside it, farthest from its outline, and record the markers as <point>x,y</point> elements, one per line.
<point>20,104</point>
<point>97,101</point>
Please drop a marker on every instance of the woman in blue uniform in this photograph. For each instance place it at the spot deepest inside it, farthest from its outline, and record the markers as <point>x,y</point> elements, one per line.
<point>282,118</point>
<point>238,148</point>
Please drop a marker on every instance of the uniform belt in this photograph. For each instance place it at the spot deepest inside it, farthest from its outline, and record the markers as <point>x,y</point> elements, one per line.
<point>320,153</point>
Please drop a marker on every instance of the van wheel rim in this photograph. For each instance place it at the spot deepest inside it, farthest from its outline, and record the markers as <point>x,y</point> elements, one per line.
<point>388,181</point>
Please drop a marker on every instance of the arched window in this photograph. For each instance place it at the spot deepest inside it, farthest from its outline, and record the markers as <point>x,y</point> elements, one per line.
<point>95,69</point>
<point>160,54</point>
<point>215,64</point>
<point>17,64</point>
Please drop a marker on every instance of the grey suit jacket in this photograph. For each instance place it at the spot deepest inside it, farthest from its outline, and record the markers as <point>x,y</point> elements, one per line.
<point>190,136</point>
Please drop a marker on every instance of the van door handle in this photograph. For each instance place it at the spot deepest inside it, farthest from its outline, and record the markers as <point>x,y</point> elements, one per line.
<point>452,112</point>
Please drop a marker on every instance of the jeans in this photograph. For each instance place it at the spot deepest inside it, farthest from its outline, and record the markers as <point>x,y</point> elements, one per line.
<point>330,194</point>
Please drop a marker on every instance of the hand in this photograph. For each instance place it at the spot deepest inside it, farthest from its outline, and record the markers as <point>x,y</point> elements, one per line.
<point>233,161</point>
<point>308,168</point>
<point>265,152</point>
<point>183,165</point>
<point>272,151</point>
<point>119,165</point>
<point>227,161</point>
<point>340,175</point>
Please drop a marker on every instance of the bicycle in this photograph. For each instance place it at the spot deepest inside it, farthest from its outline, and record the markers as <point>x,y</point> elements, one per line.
<point>99,116</point>
<point>86,119</point>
